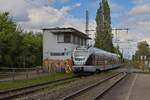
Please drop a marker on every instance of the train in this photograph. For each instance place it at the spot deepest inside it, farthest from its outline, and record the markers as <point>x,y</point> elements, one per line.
<point>91,59</point>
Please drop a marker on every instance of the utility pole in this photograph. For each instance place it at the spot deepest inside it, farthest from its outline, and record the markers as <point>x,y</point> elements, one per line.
<point>87,23</point>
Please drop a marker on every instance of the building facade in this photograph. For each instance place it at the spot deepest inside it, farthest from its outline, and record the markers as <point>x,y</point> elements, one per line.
<point>59,43</point>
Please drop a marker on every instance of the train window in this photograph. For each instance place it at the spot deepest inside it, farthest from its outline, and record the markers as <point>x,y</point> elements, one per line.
<point>79,59</point>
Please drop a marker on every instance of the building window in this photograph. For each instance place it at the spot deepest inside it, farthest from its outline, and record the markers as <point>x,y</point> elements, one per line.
<point>74,39</point>
<point>67,38</point>
<point>57,53</point>
<point>82,41</point>
<point>78,41</point>
<point>60,38</point>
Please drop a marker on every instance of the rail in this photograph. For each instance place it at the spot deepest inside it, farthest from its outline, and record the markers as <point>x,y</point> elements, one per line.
<point>12,93</point>
<point>69,97</point>
<point>108,89</point>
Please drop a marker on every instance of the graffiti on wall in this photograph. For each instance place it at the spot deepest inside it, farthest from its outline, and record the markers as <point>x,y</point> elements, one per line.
<point>58,65</point>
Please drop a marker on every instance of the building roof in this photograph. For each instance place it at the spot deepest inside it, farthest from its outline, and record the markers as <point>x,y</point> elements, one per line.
<point>68,30</point>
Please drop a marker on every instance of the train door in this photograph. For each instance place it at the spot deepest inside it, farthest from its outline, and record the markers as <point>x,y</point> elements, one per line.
<point>102,62</point>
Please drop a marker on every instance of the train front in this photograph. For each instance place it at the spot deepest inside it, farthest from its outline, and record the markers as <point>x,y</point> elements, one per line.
<point>80,56</point>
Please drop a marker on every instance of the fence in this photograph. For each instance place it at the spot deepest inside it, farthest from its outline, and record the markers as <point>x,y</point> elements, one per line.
<point>7,74</point>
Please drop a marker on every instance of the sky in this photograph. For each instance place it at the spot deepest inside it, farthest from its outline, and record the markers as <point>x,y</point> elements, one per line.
<point>33,15</point>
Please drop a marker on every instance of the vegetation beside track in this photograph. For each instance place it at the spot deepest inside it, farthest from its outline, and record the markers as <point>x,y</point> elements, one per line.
<point>27,82</point>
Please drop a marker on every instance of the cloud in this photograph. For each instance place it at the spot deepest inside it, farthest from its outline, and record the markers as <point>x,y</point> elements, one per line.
<point>138,31</point>
<point>37,3</point>
<point>66,9</point>
<point>42,17</point>
<point>37,14</point>
<point>137,19</point>
<point>51,17</point>
<point>17,10</point>
<point>64,1</point>
<point>140,1</point>
<point>140,9</point>
<point>115,8</point>
<point>77,5</point>
<point>146,39</point>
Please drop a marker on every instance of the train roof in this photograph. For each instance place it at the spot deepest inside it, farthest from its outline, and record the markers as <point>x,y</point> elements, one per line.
<point>102,52</point>
<point>97,51</point>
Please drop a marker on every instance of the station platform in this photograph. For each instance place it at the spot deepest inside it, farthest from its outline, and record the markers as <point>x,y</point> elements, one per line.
<point>135,87</point>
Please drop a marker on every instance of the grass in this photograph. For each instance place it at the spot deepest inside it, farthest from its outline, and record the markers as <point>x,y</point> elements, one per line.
<point>27,82</point>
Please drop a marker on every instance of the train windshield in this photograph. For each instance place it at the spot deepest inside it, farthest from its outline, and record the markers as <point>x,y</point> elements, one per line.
<point>80,55</point>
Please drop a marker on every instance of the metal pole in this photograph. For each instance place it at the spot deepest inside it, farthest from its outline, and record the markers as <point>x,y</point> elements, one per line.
<point>87,23</point>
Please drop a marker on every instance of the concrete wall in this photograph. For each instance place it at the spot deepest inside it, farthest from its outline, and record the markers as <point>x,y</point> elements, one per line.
<point>50,45</point>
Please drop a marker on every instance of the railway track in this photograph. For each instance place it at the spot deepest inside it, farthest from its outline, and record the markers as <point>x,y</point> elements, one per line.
<point>14,93</point>
<point>96,90</point>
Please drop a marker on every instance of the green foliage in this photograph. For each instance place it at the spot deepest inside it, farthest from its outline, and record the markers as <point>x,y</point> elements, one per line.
<point>103,30</point>
<point>143,50</point>
<point>117,51</point>
<point>18,49</point>
<point>31,49</point>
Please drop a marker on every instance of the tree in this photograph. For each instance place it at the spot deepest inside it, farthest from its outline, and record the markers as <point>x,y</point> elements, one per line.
<point>117,51</point>
<point>18,47</point>
<point>9,38</point>
<point>103,38</point>
<point>143,49</point>
<point>31,49</point>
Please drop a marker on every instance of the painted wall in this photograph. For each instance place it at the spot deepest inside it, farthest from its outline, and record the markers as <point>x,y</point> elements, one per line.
<point>51,46</point>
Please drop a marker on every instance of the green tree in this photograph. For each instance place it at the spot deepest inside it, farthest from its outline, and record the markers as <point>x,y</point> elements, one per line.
<point>9,39</point>
<point>31,49</point>
<point>18,48</point>
<point>103,38</point>
<point>117,51</point>
<point>143,49</point>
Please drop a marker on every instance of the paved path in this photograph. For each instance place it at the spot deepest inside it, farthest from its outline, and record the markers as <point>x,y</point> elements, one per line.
<point>135,87</point>
<point>141,88</point>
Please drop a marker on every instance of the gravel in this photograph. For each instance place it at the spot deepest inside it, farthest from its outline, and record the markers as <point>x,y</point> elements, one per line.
<point>60,91</point>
